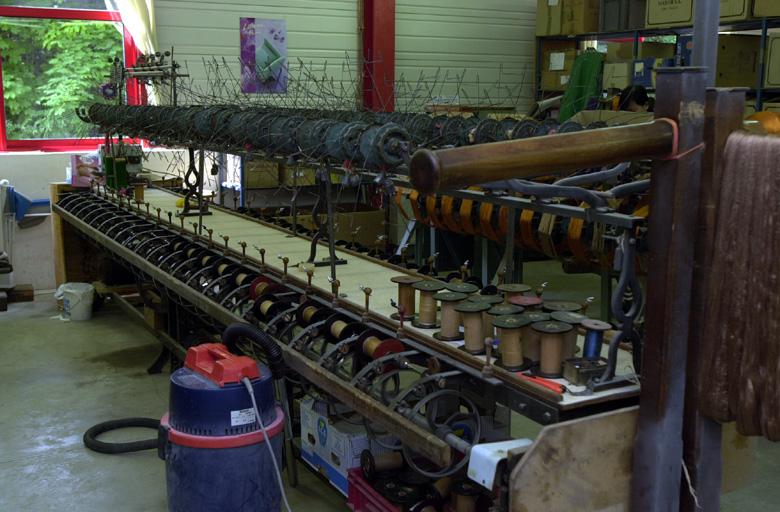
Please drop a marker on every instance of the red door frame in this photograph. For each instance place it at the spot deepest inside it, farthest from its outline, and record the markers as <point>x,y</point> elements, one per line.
<point>135,93</point>
<point>379,55</point>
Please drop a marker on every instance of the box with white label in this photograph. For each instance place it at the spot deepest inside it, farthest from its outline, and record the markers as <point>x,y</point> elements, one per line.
<point>333,446</point>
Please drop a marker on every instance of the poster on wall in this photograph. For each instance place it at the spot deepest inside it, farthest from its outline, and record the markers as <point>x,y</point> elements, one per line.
<point>263,55</point>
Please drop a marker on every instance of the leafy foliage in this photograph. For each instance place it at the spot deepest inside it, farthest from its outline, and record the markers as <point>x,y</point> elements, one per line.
<point>50,67</point>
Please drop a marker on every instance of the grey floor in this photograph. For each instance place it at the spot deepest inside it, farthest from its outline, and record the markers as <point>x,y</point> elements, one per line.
<point>60,378</point>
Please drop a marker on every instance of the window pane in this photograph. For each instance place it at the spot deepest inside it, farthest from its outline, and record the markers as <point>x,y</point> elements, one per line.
<point>50,67</point>
<point>96,5</point>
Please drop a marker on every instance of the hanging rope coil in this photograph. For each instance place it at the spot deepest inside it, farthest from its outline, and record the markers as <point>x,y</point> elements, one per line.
<point>740,371</point>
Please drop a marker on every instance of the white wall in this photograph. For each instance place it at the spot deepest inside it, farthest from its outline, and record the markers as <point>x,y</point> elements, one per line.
<point>318,32</point>
<point>493,40</point>
<point>31,173</point>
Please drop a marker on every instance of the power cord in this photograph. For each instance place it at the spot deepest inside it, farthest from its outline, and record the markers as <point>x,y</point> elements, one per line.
<point>248,386</point>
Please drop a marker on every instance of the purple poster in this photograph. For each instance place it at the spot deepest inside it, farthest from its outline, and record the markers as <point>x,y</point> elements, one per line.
<point>263,56</point>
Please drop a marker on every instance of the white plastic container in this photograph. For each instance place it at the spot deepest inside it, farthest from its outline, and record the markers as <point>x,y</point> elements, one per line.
<point>77,300</point>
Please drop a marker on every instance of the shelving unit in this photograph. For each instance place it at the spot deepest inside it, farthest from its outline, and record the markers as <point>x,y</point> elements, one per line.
<point>762,24</point>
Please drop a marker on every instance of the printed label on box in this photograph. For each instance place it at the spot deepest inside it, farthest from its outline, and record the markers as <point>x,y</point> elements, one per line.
<point>557,61</point>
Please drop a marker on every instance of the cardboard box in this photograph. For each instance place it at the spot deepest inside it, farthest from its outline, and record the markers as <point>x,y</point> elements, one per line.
<point>679,13</point>
<point>557,63</point>
<point>300,176</point>
<point>624,52</point>
<point>735,10</point>
<point>617,75</point>
<point>261,173</point>
<point>332,447</point>
<point>644,70</point>
<point>612,118</point>
<point>370,222</point>
<point>557,17</point>
<point>766,8</point>
<point>549,16</point>
<point>737,60</point>
<point>617,15</point>
<point>772,76</point>
<point>580,16</point>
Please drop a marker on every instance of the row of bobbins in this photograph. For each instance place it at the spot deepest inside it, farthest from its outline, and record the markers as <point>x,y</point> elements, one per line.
<point>530,331</point>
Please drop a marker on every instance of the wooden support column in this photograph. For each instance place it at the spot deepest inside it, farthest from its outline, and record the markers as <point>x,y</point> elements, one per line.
<point>379,55</point>
<point>658,449</point>
<point>702,436</point>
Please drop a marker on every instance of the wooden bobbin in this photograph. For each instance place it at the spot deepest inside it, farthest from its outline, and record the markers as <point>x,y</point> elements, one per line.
<point>487,321</point>
<point>308,312</point>
<point>502,310</point>
<point>461,287</point>
<point>374,465</point>
<point>337,327</point>
<point>464,496</point>
<point>406,295</point>
<point>450,317</point>
<point>240,278</point>
<point>258,286</point>
<point>570,338</point>
<point>551,335</point>
<point>511,290</point>
<point>471,313</point>
<point>510,340</point>
<point>531,337</point>
<point>528,302</point>
<point>549,306</point>
<point>426,318</point>
<point>375,346</point>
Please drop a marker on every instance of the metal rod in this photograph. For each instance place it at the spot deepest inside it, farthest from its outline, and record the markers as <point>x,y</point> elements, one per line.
<point>331,230</point>
<point>527,158</point>
<point>509,254</point>
<point>201,166</point>
<point>705,38</point>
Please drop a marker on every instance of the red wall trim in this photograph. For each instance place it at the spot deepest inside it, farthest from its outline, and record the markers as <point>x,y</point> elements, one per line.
<point>3,145</point>
<point>60,14</point>
<point>136,94</point>
<point>379,55</point>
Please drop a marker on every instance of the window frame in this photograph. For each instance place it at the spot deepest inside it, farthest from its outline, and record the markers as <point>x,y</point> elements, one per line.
<point>136,95</point>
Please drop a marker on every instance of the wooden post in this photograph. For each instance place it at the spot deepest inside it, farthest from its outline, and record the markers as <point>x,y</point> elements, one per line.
<point>658,451</point>
<point>702,436</point>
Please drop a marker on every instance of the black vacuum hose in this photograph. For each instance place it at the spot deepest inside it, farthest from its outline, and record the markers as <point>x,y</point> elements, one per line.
<point>273,353</point>
<point>91,441</point>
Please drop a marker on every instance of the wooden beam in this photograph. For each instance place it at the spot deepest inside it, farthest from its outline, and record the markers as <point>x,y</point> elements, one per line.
<point>674,192</point>
<point>701,435</point>
<point>527,158</point>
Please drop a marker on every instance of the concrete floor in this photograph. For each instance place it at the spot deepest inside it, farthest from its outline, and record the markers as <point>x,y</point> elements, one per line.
<point>60,378</point>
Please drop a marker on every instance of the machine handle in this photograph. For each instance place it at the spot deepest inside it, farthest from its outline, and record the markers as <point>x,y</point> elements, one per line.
<point>215,362</point>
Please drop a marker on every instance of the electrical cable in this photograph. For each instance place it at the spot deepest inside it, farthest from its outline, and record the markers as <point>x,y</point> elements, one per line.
<point>248,386</point>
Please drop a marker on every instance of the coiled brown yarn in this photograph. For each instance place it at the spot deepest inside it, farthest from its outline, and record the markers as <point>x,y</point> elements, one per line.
<point>740,371</point>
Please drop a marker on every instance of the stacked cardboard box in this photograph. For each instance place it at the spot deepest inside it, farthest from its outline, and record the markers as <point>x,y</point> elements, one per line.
<point>557,63</point>
<point>737,60</point>
<point>566,17</point>
<point>679,13</point>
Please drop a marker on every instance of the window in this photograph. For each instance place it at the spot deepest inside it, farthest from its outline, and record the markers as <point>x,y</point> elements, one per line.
<point>54,60</point>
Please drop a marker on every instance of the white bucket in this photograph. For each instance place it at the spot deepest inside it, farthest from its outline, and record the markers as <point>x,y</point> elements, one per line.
<point>76,300</point>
